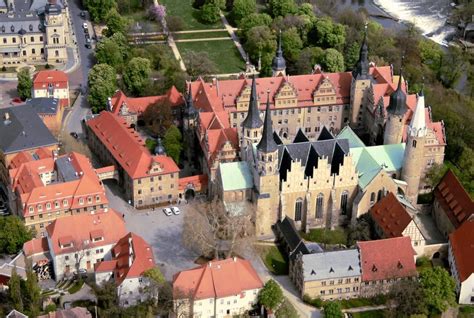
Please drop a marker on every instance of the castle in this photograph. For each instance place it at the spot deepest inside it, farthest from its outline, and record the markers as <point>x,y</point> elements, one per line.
<point>300,141</point>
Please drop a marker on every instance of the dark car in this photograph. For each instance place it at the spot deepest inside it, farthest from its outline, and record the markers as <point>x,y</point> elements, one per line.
<point>83,14</point>
<point>88,46</point>
<point>75,135</point>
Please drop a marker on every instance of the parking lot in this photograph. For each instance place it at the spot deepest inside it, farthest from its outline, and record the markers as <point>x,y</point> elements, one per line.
<point>162,232</point>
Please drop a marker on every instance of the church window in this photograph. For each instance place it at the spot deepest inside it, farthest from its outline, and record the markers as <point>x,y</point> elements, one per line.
<point>298,209</point>
<point>372,198</point>
<point>319,206</point>
<point>248,133</point>
<point>344,197</point>
<point>379,195</point>
<point>255,133</point>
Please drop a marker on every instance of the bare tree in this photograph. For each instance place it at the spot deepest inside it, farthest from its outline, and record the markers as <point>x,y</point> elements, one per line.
<point>70,144</point>
<point>80,249</point>
<point>210,228</point>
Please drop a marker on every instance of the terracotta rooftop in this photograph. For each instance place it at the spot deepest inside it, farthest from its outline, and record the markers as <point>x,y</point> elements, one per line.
<point>390,216</point>
<point>43,78</point>
<point>454,199</point>
<point>387,259</point>
<point>127,147</point>
<point>35,246</point>
<point>216,279</point>
<point>462,244</point>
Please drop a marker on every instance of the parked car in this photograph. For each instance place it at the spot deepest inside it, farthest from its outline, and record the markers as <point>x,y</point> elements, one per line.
<point>175,210</point>
<point>88,46</point>
<point>88,39</point>
<point>82,273</point>
<point>84,25</point>
<point>75,135</point>
<point>167,211</point>
<point>83,14</point>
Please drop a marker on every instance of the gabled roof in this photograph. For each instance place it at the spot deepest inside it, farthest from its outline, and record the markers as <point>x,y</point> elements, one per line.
<point>454,199</point>
<point>379,262</point>
<point>462,243</point>
<point>390,215</point>
<point>351,136</point>
<point>291,236</point>
<point>216,279</point>
<point>331,265</point>
<point>35,246</point>
<point>41,79</point>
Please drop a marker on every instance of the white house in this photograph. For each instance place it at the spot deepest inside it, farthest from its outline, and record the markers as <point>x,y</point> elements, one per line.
<point>131,258</point>
<point>216,289</point>
<point>51,84</point>
<point>461,261</point>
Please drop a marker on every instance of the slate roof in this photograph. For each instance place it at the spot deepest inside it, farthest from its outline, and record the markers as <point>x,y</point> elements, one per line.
<point>398,100</point>
<point>235,175</point>
<point>331,265</point>
<point>24,130</point>
<point>253,119</point>
<point>462,243</point>
<point>288,231</point>
<point>267,142</point>
<point>44,105</point>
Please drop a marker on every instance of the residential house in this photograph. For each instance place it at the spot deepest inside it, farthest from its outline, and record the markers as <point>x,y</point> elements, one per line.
<point>217,289</point>
<point>51,84</point>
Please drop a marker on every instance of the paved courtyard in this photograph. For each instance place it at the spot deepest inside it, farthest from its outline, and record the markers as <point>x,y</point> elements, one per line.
<point>162,232</point>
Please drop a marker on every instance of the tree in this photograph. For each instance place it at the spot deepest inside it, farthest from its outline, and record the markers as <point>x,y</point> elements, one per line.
<point>451,67</point>
<point>253,20</point>
<point>115,23</point>
<point>136,75</point>
<point>172,142</point>
<point>156,281</point>
<point>33,291</point>
<point>13,234</point>
<point>332,309</point>
<point>243,8</point>
<point>98,9</point>
<point>113,51</point>
<point>361,231</point>
<point>210,13</point>
<point>434,174</point>
<point>102,85</point>
<point>261,43</point>
<point>25,83</point>
<point>271,295</point>
<point>409,298</point>
<point>332,61</point>
<point>14,290</point>
<point>199,64</point>
<point>286,310</point>
<point>281,7</point>
<point>291,43</point>
<point>327,34</point>
<point>175,23</point>
<point>308,58</point>
<point>158,118</point>
<point>438,289</point>
<point>430,54</point>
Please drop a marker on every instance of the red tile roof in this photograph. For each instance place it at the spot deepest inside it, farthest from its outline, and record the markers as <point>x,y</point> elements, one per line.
<point>454,199</point>
<point>127,147</point>
<point>387,259</point>
<point>216,279</point>
<point>77,228</point>
<point>105,266</point>
<point>35,246</point>
<point>462,244</point>
<point>43,78</point>
<point>390,215</point>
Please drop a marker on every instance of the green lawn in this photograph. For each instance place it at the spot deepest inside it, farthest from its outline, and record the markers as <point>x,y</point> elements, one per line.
<point>75,287</point>
<point>337,236</point>
<point>274,260</point>
<point>201,35</point>
<point>369,314</point>
<point>223,53</point>
<point>190,16</point>
<point>466,311</point>
<point>423,263</point>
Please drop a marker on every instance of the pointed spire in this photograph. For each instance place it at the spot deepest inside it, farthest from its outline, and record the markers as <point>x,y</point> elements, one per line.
<point>418,122</point>
<point>190,109</point>
<point>362,67</point>
<point>278,62</point>
<point>253,119</point>
<point>398,99</point>
<point>267,143</point>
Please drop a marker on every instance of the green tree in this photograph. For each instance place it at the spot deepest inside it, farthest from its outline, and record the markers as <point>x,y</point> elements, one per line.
<point>136,75</point>
<point>327,34</point>
<point>332,309</point>
<point>25,83</point>
<point>115,23</point>
<point>430,54</point>
<point>102,85</point>
<point>438,289</point>
<point>172,142</point>
<point>199,64</point>
<point>308,57</point>
<point>32,291</point>
<point>158,118</point>
<point>351,55</point>
<point>270,295</point>
<point>261,42</point>
<point>434,174</point>
<point>13,234</point>
<point>107,299</point>
<point>281,7</point>
<point>156,281</point>
<point>210,13</point>
<point>112,51</point>
<point>360,231</point>
<point>253,20</point>
<point>332,61</point>
<point>98,9</point>
<point>452,66</point>
<point>242,9</point>
<point>286,310</point>
<point>291,44</point>
<point>14,290</point>
<point>409,297</point>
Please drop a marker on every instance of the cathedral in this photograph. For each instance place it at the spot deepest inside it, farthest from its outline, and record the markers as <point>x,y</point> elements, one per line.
<point>293,145</point>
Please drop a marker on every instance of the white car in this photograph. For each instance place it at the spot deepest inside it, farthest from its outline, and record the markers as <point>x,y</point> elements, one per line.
<point>84,25</point>
<point>175,210</point>
<point>167,211</point>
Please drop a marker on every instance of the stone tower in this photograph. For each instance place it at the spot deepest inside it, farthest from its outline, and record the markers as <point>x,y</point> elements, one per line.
<point>190,115</point>
<point>278,62</point>
<point>56,39</point>
<point>413,162</point>
<point>396,110</point>
<point>252,125</point>
<point>360,83</point>
<point>266,178</point>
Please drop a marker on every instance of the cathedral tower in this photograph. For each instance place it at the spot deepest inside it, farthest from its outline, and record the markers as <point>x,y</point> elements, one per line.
<point>396,110</point>
<point>252,124</point>
<point>190,117</point>
<point>414,150</point>
<point>278,62</point>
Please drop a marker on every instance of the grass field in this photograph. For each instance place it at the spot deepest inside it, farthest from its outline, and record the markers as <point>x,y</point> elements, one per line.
<point>274,260</point>
<point>190,16</point>
<point>223,53</point>
<point>337,236</point>
<point>369,314</point>
<point>201,35</point>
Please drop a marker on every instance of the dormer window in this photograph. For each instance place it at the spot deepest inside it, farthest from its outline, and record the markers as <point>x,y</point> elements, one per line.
<point>65,203</point>
<point>12,28</point>
<point>331,270</point>
<point>98,239</point>
<point>81,201</point>
<point>89,199</point>
<point>68,245</point>
<point>350,268</point>
<point>40,207</point>
<point>31,209</point>
<point>48,206</point>
<point>374,268</point>
<point>313,272</point>
<point>97,198</point>
<point>399,265</point>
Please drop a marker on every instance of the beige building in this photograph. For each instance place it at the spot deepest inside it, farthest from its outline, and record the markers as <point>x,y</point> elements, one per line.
<point>33,32</point>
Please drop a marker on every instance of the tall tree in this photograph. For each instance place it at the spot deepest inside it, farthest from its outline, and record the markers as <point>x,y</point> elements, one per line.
<point>271,295</point>
<point>14,290</point>
<point>327,34</point>
<point>243,8</point>
<point>210,13</point>
<point>199,64</point>
<point>158,118</point>
<point>136,75</point>
<point>25,83</point>
<point>332,61</point>
<point>113,51</point>
<point>98,9</point>
<point>308,58</point>
<point>102,85</point>
<point>291,44</point>
<point>13,234</point>
<point>409,298</point>
<point>438,289</point>
<point>261,43</point>
<point>115,23</point>
<point>253,20</point>
<point>155,281</point>
<point>332,309</point>
<point>280,8</point>
<point>33,291</point>
<point>173,143</point>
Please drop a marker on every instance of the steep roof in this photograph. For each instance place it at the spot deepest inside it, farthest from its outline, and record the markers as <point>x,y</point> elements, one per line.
<point>351,136</point>
<point>454,199</point>
<point>378,260</point>
<point>35,246</point>
<point>291,236</point>
<point>398,100</point>
<point>462,243</point>
<point>267,144</point>
<point>41,79</point>
<point>390,216</point>
<point>216,279</point>
<point>253,119</point>
<point>331,265</point>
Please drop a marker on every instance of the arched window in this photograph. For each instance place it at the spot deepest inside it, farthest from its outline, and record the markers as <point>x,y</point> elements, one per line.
<point>344,196</point>
<point>372,198</point>
<point>319,206</point>
<point>298,209</point>
<point>379,195</point>
<point>414,143</point>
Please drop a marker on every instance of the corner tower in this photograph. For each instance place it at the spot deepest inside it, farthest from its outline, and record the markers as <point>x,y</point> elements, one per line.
<point>413,162</point>
<point>278,62</point>
<point>396,111</point>
<point>252,124</point>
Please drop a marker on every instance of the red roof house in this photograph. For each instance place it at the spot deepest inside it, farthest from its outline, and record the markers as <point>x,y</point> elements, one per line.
<point>390,216</point>
<point>52,84</point>
<point>462,247</point>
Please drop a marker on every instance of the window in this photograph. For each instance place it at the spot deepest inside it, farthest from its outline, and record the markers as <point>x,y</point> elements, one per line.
<point>40,207</point>
<point>48,206</point>
<point>56,204</point>
<point>14,40</point>
<point>41,38</point>
<point>372,198</point>
<point>339,281</point>
<point>356,280</point>
<point>89,199</point>
<point>56,53</point>
<point>379,195</point>
<point>331,282</point>
<point>139,191</point>
<point>344,196</point>
<point>323,283</point>
<point>66,258</point>
<point>298,209</point>
<point>81,201</point>
<point>33,51</point>
<point>339,290</point>
<point>32,39</point>
<point>97,198</point>
<point>322,292</point>
<point>319,206</point>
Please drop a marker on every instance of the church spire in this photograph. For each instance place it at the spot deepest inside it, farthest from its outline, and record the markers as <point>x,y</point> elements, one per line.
<point>267,143</point>
<point>278,62</point>
<point>418,122</point>
<point>398,99</point>
<point>362,67</point>
<point>253,119</point>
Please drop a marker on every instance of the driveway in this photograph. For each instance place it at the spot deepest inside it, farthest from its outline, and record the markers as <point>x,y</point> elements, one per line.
<point>162,232</point>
